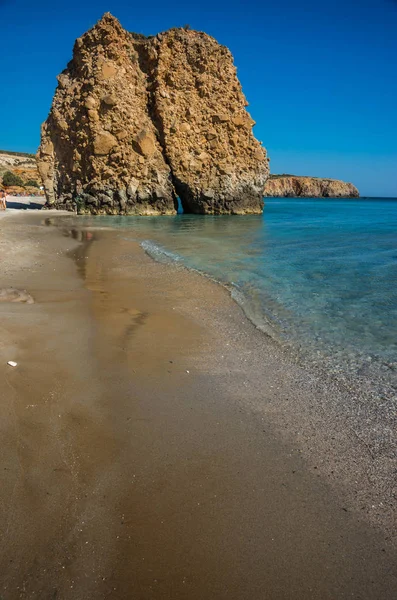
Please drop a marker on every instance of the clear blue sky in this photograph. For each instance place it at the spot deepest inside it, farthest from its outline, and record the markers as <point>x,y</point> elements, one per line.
<point>321,78</point>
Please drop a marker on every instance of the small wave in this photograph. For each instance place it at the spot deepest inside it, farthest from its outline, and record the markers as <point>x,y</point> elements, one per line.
<point>162,255</point>
<point>159,253</point>
<point>258,319</point>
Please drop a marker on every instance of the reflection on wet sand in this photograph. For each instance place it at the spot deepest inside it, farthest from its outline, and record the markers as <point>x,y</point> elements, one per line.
<point>136,466</point>
<point>128,321</point>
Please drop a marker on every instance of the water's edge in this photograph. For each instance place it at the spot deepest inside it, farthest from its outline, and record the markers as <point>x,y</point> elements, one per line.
<point>323,366</point>
<point>201,239</point>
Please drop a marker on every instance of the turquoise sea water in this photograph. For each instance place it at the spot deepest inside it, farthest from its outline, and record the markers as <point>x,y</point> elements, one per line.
<point>319,275</point>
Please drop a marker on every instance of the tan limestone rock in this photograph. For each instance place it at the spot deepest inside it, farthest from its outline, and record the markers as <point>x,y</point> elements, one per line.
<point>145,142</point>
<point>99,109</point>
<point>103,143</point>
<point>310,187</point>
<point>136,121</point>
<point>199,75</point>
<point>108,70</point>
<point>48,148</point>
<point>90,102</point>
<point>93,114</point>
<point>110,100</point>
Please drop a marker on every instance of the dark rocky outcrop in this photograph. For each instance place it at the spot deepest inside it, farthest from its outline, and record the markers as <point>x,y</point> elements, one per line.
<point>310,187</point>
<point>137,121</point>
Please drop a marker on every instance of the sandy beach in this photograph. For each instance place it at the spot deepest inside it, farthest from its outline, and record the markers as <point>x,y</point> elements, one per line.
<point>156,445</point>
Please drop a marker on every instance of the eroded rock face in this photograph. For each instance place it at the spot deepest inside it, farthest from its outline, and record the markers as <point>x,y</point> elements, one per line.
<point>137,121</point>
<point>217,164</point>
<point>309,187</point>
<point>99,150</point>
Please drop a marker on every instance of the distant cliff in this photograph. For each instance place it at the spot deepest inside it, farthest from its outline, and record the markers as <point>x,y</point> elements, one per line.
<point>18,172</point>
<point>137,122</point>
<point>292,186</point>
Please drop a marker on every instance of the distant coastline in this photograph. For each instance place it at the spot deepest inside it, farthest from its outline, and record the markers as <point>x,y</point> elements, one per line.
<point>12,153</point>
<point>298,186</point>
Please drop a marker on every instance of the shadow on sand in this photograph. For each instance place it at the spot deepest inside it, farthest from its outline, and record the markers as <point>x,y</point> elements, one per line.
<point>23,206</point>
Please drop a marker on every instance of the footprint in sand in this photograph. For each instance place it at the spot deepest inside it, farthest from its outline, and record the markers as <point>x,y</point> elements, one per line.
<point>14,295</point>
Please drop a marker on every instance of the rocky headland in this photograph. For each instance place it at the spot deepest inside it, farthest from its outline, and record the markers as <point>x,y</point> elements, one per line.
<point>292,186</point>
<point>18,173</point>
<point>137,122</point>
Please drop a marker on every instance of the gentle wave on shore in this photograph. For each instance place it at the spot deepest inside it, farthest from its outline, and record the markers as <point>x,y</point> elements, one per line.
<point>318,275</point>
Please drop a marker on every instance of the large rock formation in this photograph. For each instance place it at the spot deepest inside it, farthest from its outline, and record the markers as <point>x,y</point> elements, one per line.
<point>137,121</point>
<point>311,187</point>
<point>99,150</point>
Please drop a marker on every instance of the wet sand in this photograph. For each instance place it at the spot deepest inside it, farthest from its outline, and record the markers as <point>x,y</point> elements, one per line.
<point>155,445</point>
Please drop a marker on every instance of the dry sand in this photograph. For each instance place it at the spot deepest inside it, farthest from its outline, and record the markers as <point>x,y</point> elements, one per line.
<point>155,445</point>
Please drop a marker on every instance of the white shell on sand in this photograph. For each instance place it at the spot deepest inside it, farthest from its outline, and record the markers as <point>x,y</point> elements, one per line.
<point>12,363</point>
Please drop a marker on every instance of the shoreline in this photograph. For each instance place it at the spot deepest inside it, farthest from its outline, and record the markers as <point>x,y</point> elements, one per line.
<point>237,415</point>
<point>324,368</point>
<point>359,371</point>
<point>371,412</point>
<point>349,410</point>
